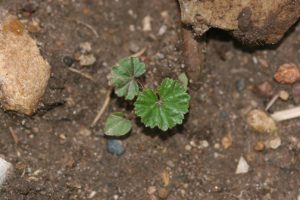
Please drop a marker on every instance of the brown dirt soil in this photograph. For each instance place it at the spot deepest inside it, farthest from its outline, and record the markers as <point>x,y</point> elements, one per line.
<point>58,158</point>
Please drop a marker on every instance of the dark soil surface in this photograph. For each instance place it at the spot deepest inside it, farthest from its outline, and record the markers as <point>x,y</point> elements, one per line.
<point>58,155</point>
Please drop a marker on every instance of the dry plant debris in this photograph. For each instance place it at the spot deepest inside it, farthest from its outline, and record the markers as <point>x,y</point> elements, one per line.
<point>286,114</point>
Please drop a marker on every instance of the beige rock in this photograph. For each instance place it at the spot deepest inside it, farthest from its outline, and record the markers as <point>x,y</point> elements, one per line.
<point>252,21</point>
<point>274,143</point>
<point>151,190</point>
<point>261,122</point>
<point>24,74</point>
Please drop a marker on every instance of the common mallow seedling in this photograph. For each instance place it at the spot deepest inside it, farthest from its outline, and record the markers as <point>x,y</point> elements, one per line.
<point>163,107</point>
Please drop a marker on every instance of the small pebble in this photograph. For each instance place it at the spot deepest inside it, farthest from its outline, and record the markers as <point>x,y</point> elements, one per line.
<point>296,92</point>
<point>147,24</point>
<point>264,89</point>
<point>274,143</point>
<point>217,146</point>
<point>132,28</point>
<point>284,95</point>
<point>133,47</point>
<point>85,47</point>
<point>166,178</point>
<point>227,141</point>
<point>287,74</point>
<point>151,190</point>
<point>259,146</point>
<point>170,163</point>
<point>188,147</point>
<point>34,26</point>
<point>261,122</point>
<point>240,85</point>
<point>193,143</point>
<point>92,194</point>
<point>163,193</point>
<point>159,56</point>
<point>85,131</point>
<point>203,144</point>
<point>164,14</point>
<point>115,147</point>
<point>62,136</point>
<point>68,60</point>
<point>182,191</point>
<point>263,63</point>
<point>87,60</point>
<point>242,167</point>
<point>217,155</point>
<point>162,30</point>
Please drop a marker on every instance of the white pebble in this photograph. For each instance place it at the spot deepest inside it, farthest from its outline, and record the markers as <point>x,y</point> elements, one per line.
<point>92,194</point>
<point>217,146</point>
<point>162,30</point>
<point>242,166</point>
<point>274,143</point>
<point>188,147</point>
<point>4,169</point>
<point>203,144</point>
<point>147,23</point>
<point>132,28</point>
<point>255,61</point>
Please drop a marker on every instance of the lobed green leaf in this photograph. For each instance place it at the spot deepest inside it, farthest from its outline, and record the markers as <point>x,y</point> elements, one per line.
<point>163,108</point>
<point>124,76</point>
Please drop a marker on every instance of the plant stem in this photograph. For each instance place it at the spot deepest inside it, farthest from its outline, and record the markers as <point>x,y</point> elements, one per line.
<point>286,114</point>
<point>103,108</point>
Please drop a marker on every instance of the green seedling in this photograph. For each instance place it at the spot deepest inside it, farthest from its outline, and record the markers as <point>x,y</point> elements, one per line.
<point>163,107</point>
<point>124,77</point>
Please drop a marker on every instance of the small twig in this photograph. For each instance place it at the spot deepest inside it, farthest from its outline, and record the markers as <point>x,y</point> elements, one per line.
<point>139,53</point>
<point>286,114</point>
<point>14,135</point>
<point>271,102</point>
<point>103,108</point>
<point>85,75</point>
<point>89,27</point>
<point>283,95</point>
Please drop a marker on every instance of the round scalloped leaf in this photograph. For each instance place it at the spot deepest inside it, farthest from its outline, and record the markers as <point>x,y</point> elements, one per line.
<point>124,76</point>
<point>117,125</point>
<point>164,108</point>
